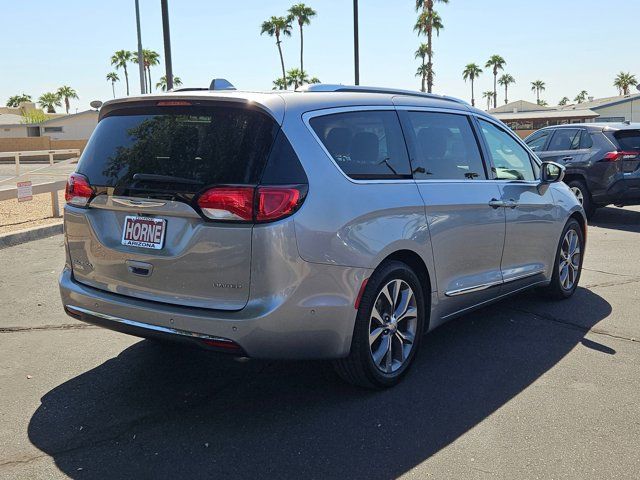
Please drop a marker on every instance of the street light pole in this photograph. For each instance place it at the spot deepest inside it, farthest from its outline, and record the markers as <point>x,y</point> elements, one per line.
<point>356,46</point>
<point>143,84</point>
<point>167,44</point>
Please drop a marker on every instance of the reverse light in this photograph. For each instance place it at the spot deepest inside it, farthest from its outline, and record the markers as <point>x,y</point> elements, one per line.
<point>276,202</point>
<point>78,191</point>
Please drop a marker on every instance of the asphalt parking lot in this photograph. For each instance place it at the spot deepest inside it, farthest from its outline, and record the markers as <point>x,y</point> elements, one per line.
<point>525,388</point>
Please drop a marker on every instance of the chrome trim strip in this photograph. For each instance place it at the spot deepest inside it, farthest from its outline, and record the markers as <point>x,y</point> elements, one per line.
<point>147,326</point>
<point>476,288</point>
<point>484,286</point>
<point>137,203</point>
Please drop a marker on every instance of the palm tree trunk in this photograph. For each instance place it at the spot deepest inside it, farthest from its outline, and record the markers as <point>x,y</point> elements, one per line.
<point>506,97</point>
<point>495,88</point>
<point>284,73</point>
<point>113,88</point>
<point>473,100</point>
<point>429,63</point>
<point>422,87</point>
<point>301,49</point>
<point>537,95</point>
<point>126,78</point>
<point>66,104</point>
<point>149,76</point>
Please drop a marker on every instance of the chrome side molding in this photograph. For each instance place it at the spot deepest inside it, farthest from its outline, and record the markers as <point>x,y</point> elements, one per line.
<point>484,286</point>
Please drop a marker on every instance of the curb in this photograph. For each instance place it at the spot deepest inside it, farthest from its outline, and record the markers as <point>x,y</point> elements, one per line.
<point>29,234</point>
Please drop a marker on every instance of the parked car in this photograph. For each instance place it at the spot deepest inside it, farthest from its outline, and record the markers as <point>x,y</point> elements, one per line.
<point>602,160</point>
<point>332,222</point>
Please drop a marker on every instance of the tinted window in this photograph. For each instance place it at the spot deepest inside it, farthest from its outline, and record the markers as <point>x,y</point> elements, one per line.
<point>565,139</point>
<point>537,140</point>
<point>628,139</point>
<point>446,147</point>
<point>510,160</point>
<point>585,140</point>
<point>366,144</point>
<point>171,151</point>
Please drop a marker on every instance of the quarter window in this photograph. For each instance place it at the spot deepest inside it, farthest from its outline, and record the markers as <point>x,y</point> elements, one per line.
<point>585,140</point>
<point>537,140</point>
<point>446,147</point>
<point>510,159</point>
<point>365,144</point>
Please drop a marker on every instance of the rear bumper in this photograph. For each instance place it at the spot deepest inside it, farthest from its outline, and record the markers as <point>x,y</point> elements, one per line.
<point>625,191</point>
<point>313,321</point>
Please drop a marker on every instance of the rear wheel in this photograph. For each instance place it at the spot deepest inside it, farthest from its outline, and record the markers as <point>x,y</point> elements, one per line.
<point>581,192</point>
<point>388,329</point>
<point>568,264</point>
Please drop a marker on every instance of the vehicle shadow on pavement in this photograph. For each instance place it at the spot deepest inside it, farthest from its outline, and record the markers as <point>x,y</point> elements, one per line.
<point>617,219</point>
<point>170,412</point>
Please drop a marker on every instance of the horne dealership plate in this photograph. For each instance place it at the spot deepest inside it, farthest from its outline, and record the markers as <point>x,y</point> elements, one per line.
<point>144,232</point>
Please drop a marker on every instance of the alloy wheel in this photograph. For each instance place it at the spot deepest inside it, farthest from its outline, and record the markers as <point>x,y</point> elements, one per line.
<point>392,326</point>
<point>578,193</point>
<point>569,259</point>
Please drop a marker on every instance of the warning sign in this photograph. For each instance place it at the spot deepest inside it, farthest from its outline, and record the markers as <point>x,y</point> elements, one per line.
<point>25,191</point>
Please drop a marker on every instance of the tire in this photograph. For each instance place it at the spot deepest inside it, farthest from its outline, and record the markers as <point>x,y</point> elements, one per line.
<point>563,287</point>
<point>364,366</point>
<point>580,190</point>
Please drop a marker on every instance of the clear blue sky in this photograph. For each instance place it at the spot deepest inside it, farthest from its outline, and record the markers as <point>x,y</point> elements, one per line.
<point>569,44</point>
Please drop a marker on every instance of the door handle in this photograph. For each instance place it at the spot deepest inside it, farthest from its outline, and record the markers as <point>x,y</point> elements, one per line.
<point>493,203</point>
<point>566,159</point>
<point>511,203</point>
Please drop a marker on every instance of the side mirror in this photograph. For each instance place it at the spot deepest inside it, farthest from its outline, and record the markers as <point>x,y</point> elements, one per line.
<point>552,172</point>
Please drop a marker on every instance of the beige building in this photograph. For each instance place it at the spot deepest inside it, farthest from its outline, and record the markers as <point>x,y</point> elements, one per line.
<point>77,126</point>
<point>525,117</point>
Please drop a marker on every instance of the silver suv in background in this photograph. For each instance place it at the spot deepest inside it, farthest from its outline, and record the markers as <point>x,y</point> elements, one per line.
<point>332,222</point>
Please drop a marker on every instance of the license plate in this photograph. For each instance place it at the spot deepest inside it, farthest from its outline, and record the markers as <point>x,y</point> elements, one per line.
<point>144,232</point>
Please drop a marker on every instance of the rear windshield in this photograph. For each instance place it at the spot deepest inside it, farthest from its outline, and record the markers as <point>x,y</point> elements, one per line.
<point>168,151</point>
<point>628,139</point>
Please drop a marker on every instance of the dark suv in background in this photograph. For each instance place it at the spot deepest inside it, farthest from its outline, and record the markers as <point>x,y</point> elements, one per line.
<point>602,160</point>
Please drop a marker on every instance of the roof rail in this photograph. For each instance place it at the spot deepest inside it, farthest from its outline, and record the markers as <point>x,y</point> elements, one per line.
<point>328,87</point>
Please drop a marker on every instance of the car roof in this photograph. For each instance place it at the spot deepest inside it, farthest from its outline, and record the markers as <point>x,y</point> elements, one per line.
<point>608,126</point>
<point>314,97</point>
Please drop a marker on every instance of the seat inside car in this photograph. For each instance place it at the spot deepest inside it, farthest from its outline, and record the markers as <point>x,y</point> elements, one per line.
<point>365,148</point>
<point>433,143</point>
<point>338,141</point>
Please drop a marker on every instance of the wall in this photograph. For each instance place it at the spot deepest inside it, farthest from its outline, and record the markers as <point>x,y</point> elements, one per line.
<point>13,131</point>
<point>629,110</point>
<point>74,127</point>
<point>38,143</point>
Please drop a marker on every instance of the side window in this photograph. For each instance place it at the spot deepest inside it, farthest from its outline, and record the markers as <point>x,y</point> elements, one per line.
<point>537,141</point>
<point>365,144</point>
<point>565,139</point>
<point>510,159</point>
<point>585,139</point>
<point>446,147</point>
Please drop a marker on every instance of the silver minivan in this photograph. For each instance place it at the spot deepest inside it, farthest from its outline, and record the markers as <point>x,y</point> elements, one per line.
<point>332,222</point>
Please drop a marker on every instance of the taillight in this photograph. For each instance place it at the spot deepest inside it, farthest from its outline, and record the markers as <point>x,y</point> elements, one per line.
<point>227,203</point>
<point>616,155</point>
<point>78,190</point>
<point>276,202</point>
<point>251,204</point>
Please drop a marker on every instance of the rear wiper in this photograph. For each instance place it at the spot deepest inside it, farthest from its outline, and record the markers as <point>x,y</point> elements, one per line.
<point>152,177</point>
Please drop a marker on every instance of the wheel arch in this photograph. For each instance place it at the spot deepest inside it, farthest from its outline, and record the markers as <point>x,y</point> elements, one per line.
<point>417,264</point>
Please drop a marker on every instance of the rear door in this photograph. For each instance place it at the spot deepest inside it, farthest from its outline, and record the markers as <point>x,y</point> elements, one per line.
<point>564,147</point>
<point>143,234</point>
<point>467,228</point>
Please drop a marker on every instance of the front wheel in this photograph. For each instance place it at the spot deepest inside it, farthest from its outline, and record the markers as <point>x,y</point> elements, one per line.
<point>388,329</point>
<point>568,264</point>
<point>583,195</point>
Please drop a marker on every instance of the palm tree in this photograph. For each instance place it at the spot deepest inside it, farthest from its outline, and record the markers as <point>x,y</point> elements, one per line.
<point>495,62</point>
<point>275,27</point>
<point>149,58</point>
<point>296,78</point>
<point>581,97</point>
<point>162,83</point>
<point>506,80</point>
<point>113,78</point>
<point>66,93</point>
<point>120,59</point>
<point>421,53</point>
<point>49,101</point>
<point>538,86</point>
<point>490,95</point>
<point>278,84</point>
<point>471,72</point>
<point>16,100</point>
<point>424,71</point>
<point>563,101</point>
<point>303,15</point>
<point>427,22</point>
<point>623,81</point>
<point>543,103</point>
<point>314,80</point>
